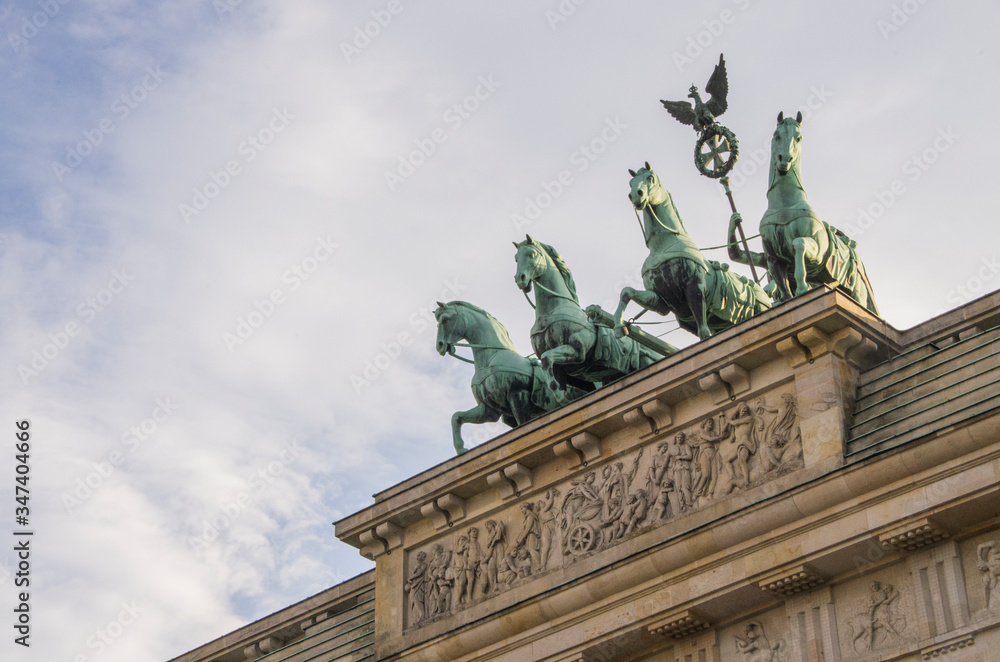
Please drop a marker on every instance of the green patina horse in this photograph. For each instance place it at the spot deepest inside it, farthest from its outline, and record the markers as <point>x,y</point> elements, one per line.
<point>704,295</point>
<point>573,350</point>
<point>802,251</point>
<point>505,384</point>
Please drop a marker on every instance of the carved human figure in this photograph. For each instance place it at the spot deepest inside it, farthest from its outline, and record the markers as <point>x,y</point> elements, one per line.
<point>735,453</point>
<point>681,454</point>
<point>474,560</point>
<point>988,554</point>
<point>756,647</point>
<point>783,440</point>
<point>460,564</point>
<point>439,583</point>
<point>496,549</point>
<point>431,596</point>
<point>659,486</point>
<point>613,492</point>
<point>657,468</point>
<point>530,536</point>
<point>880,621</point>
<point>706,444</point>
<point>416,586</point>
<point>663,500</point>
<point>633,515</point>
<point>546,511</point>
<point>507,568</point>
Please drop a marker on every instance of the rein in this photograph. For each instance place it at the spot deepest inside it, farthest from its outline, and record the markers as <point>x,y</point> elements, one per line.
<point>452,346</point>
<point>676,233</point>
<point>552,292</point>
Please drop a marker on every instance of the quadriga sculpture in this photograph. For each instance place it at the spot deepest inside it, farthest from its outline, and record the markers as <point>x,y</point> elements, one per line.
<point>573,350</point>
<point>801,251</point>
<point>703,294</point>
<point>505,384</point>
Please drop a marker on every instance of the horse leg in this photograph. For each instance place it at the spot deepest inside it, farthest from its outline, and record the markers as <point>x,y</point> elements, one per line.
<point>806,249</point>
<point>646,299</point>
<point>779,274</point>
<point>696,293</point>
<point>519,401</point>
<point>481,413</point>
<point>571,352</point>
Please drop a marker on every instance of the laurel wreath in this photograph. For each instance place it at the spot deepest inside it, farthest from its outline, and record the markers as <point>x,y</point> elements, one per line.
<point>734,151</point>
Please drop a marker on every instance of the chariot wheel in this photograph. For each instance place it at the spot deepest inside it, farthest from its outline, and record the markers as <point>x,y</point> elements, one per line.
<point>716,151</point>
<point>583,538</point>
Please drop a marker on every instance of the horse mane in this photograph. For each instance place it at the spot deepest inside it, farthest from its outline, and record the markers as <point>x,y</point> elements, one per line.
<point>502,335</point>
<point>563,268</point>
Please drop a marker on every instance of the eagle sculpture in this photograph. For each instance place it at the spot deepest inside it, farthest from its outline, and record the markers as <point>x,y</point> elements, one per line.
<point>702,115</point>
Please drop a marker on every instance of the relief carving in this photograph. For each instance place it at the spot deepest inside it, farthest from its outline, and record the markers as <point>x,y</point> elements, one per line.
<point>881,623</point>
<point>988,563</point>
<point>756,647</point>
<point>735,450</point>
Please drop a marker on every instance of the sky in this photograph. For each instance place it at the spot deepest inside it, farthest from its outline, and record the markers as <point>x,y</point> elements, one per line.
<point>225,224</point>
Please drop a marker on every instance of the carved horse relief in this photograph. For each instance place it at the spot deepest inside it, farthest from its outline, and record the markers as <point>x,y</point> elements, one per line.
<point>505,384</point>
<point>801,250</point>
<point>703,294</point>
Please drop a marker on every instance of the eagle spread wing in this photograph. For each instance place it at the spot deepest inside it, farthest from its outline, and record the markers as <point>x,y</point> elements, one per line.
<point>682,111</point>
<point>718,87</point>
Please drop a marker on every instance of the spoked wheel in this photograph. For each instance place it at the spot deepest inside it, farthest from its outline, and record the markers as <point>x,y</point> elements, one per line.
<point>583,538</point>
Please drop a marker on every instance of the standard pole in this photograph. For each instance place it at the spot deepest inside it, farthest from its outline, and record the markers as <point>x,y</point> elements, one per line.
<point>739,228</point>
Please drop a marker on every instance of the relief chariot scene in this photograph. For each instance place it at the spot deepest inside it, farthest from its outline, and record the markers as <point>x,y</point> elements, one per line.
<point>745,445</point>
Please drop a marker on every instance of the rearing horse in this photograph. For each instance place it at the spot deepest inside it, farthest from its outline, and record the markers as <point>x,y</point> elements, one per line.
<point>573,350</point>
<point>704,295</point>
<point>505,385</point>
<point>801,249</point>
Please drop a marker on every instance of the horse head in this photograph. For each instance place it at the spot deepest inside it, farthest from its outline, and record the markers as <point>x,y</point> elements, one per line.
<point>534,260</point>
<point>451,326</point>
<point>645,188</point>
<point>786,145</point>
<point>531,263</point>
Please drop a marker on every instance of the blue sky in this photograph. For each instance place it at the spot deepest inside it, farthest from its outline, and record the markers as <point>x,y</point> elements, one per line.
<point>278,124</point>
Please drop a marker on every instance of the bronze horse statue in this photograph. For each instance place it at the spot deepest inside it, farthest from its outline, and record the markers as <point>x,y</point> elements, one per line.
<point>574,351</point>
<point>704,295</point>
<point>801,251</point>
<point>506,385</point>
